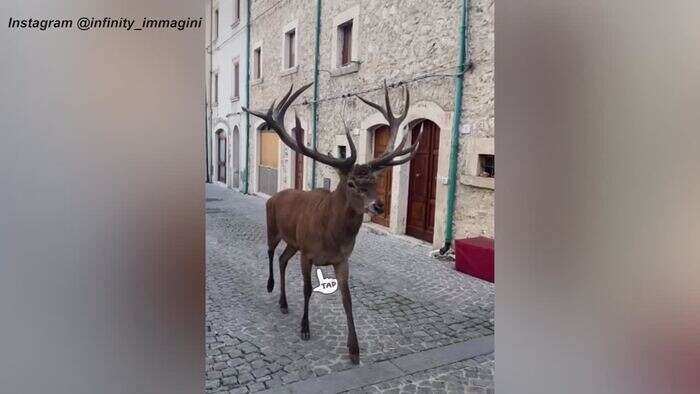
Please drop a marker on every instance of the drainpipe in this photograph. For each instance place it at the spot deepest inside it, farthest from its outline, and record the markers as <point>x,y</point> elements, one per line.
<point>454,148</point>
<point>247,98</point>
<point>314,116</point>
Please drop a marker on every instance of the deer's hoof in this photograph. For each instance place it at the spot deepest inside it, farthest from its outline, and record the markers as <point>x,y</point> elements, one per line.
<point>284,310</point>
<point>354,352</point>
<point>305,335</point>
<point>270,285</point>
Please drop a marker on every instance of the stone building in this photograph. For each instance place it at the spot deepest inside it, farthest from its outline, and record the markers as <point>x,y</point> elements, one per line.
<point>362,43</point>
<point>226,80</point>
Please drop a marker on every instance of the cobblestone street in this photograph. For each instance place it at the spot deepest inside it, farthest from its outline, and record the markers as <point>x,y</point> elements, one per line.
<point>422,326</point>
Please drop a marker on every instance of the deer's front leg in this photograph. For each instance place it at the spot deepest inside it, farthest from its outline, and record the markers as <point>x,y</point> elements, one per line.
<point>341,274</point>
<point>306,272</point>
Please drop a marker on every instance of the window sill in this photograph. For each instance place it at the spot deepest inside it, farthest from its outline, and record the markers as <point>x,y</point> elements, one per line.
<point>351,68</point>
<point>289,71</point>
<point>257,81</point>
<point>479,181</point>
<point>235,98</point>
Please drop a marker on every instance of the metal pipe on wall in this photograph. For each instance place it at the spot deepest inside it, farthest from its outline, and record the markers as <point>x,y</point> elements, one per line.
<point>314,115</point>
<point>454,146</point>
<point>247,99</point>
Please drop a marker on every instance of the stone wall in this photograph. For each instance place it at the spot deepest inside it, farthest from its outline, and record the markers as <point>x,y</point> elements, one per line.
<point>408,40</point>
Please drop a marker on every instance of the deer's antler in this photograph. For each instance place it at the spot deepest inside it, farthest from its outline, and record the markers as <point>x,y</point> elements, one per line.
<point>274,118</point>
<point>389,157</point>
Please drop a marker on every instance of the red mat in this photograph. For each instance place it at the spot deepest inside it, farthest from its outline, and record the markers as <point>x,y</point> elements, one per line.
<point>475,257</point>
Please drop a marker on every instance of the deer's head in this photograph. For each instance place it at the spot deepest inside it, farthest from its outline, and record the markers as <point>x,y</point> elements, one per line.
<point>359,181</point>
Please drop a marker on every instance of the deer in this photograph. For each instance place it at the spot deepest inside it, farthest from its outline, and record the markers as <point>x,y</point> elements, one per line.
<point>323,224</point>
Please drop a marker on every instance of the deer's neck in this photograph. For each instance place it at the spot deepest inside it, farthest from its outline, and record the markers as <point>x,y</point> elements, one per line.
<point>345,221</point>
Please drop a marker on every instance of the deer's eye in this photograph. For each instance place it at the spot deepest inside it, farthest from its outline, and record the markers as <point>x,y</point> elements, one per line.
<point>351,184</point>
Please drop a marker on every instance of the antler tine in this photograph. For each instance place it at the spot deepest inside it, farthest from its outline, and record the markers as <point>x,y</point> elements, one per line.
<point>351,144</point>
<point>387,102</point>
<point>396,122</point>
<point>412,150</point>
<point>274,118</point>
<point>389,160</point>
<point>373,105</point>
<point>342,164</point>
<point>286,96</point>
<point>283,107</point>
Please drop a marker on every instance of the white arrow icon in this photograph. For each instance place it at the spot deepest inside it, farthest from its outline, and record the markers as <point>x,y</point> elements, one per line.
<point>325,286</point>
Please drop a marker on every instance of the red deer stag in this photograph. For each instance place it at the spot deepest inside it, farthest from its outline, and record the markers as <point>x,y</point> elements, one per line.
<point>323,224</point>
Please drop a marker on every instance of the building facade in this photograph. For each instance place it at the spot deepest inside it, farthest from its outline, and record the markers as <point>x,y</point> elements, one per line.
<point>362,44</point>
<point>226,90</point>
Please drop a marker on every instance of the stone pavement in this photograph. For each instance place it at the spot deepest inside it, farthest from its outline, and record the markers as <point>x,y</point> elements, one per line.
<point>421,326</point>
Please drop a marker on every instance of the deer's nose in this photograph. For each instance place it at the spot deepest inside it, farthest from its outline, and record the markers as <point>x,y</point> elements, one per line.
<point>378,206</point>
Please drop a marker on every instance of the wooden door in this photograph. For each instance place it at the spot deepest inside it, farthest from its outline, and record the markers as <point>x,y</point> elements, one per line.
<point>268,162</point>
<point>221,158</point>
<point>298,171</point>
<point>235,172</point>
<point>381,142</point>
<point>420,220</point>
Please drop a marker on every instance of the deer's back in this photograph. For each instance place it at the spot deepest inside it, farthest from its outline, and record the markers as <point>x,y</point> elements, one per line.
<point>293,213</point>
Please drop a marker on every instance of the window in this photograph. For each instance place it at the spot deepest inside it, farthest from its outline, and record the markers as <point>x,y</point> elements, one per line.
<point>257,69</point>
<point>215,89</point>
<point>487,166</point>
<point>215,25</point>
<point>345,43</point>
<point>236,80</point>
<point>289,48</point>
<point>236,11</point>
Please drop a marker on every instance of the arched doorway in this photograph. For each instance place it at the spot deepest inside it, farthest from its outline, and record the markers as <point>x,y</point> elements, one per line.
<point>268,161</point>
<point>235,161</point>
<point>221,156</point>
<point>420,218</point>
<point>382,135</point>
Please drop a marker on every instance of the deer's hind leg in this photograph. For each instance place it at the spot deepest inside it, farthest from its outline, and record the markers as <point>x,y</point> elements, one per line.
<point>306,272</point>
<point>289,251</point>
<point>273,239</point>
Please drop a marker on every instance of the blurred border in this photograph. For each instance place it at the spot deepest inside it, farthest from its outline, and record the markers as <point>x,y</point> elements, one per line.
<point>102,202</point>
<point>598,203</point>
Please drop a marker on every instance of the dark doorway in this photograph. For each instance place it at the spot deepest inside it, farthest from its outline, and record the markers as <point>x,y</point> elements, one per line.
<point>381,142</point>
<point>221,157</point>
<point>420,220</point>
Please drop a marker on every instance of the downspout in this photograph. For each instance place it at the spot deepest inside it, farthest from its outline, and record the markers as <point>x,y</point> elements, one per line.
<point>454,147</point>
<point>247,98</point>
<point>314,116</point>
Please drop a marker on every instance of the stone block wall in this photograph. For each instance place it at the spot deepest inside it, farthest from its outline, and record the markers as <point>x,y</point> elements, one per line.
<point>408,40</point>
